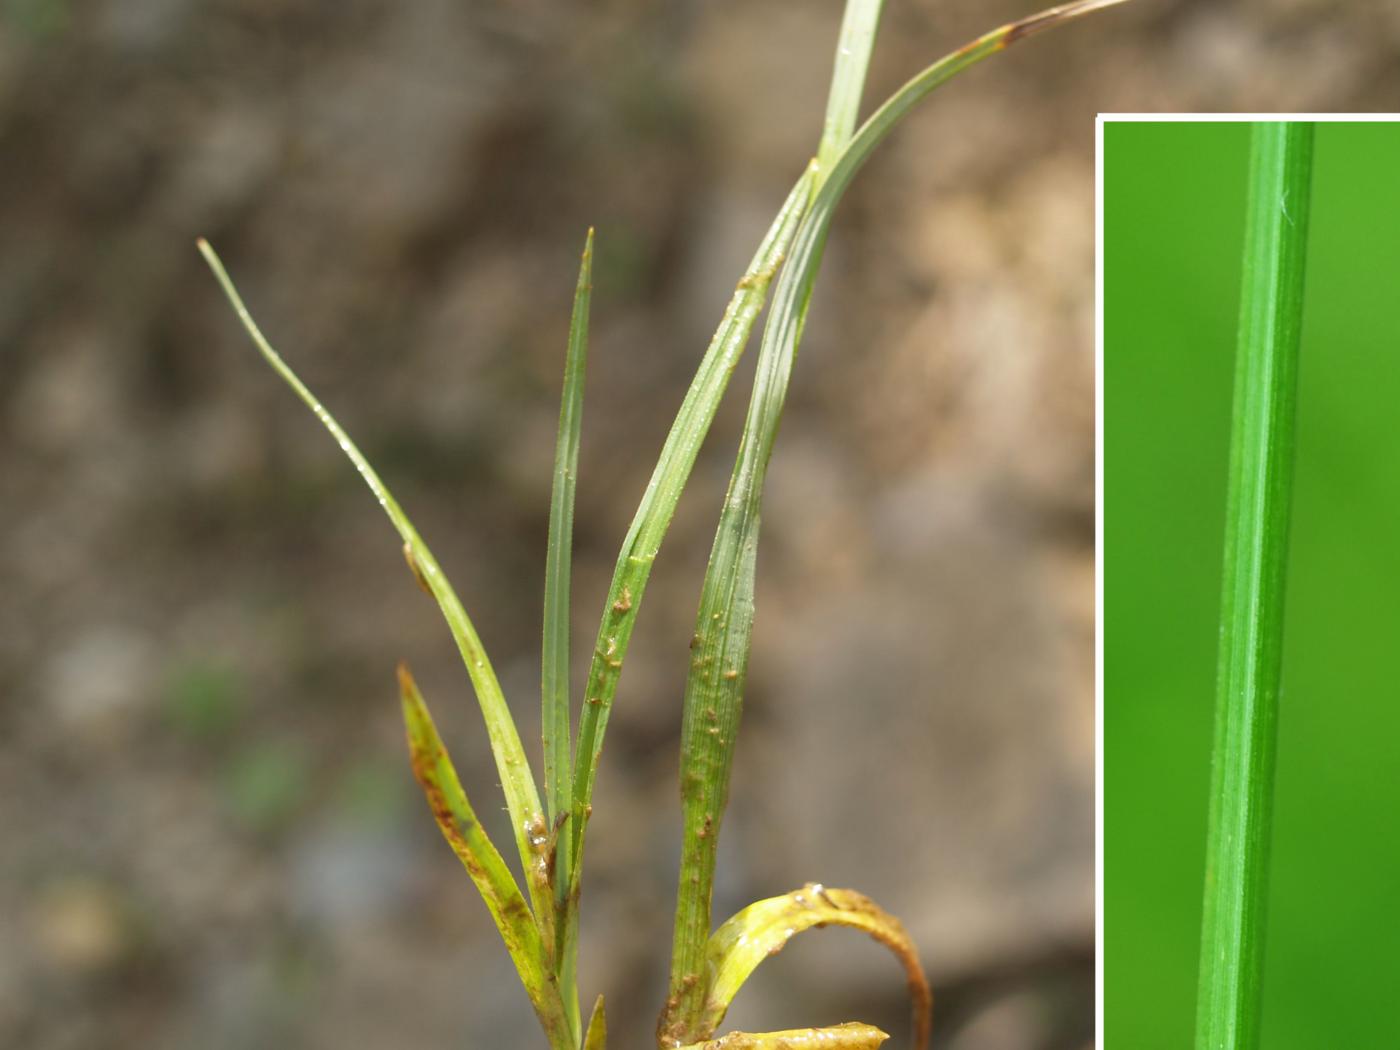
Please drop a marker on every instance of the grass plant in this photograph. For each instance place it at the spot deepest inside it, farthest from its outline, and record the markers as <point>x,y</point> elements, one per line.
<point>539,924</point>
<point>1251,624</point>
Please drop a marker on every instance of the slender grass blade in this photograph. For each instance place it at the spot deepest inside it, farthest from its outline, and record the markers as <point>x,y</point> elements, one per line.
<point>853,47</point>
<point>658,505</point>
<point>723,634</point>
<point>522,798</point>
<point>554,680</point>
<point>554,687</point>
<point>1256,546</point>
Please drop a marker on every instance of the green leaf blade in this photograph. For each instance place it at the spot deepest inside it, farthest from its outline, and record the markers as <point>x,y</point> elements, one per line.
<point>522,797</point>
<point>658,504</point>
<point>1252,602</point>
<point>554,686</point>
<point>853,48</point>
<point>723,635</point>
<point>554,664</point>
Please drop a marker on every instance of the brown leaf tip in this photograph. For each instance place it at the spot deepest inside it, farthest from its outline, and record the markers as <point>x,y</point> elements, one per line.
<point>1052,17</point>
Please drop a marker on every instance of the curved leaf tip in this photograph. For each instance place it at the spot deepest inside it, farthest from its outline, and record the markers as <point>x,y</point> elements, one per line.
<point>764,928</point>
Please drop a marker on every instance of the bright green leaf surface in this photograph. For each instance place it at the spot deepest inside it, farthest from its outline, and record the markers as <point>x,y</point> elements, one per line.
<point>1259,501</point>
<point>1173,238</point>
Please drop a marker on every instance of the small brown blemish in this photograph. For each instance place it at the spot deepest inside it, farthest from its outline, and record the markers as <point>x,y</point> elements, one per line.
<point>1034,24</point>
<point>731,674</point>
<point>624,603</point>
<point>415,568</point>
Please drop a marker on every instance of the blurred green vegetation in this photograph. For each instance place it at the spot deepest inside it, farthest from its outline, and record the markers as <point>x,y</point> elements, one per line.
<point>204,699</point>
<point>1174,194</point>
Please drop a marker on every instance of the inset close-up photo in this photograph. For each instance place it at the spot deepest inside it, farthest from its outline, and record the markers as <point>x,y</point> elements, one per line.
<point>1250,444</point>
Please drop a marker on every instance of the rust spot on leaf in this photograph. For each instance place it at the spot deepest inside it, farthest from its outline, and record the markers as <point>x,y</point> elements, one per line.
<point>416,569</point>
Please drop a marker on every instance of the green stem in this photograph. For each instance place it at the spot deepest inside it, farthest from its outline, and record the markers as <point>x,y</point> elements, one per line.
<point>1256,545</point>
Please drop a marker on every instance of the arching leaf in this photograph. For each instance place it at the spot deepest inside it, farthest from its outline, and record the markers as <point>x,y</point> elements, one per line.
<point>764,928</point>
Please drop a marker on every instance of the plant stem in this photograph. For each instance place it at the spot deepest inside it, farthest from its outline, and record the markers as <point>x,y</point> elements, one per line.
<point>1256,545</point>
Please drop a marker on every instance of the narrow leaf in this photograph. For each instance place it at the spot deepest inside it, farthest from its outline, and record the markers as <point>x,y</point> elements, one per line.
<point>1256,547</point>
<point>853,47</point>
<point>658,504</point>
<point>554,686</point>
<point>554,682</point>
<point>723,635</point>
<point>468,839</point>
<point>597,1037</point>
<point>522,798</point>
<point>849,1036</point>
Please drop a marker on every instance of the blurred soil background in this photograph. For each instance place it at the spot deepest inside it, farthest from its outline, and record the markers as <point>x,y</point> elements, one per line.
<point>211,836</point>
